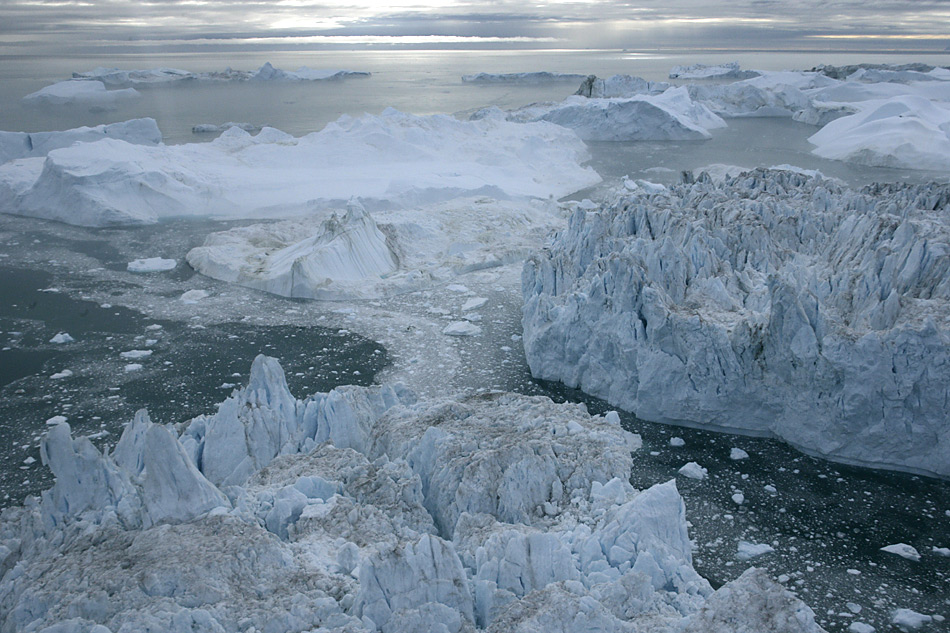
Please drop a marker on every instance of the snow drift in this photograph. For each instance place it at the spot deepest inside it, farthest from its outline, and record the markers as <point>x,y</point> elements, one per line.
<point>363,510</point>
<point>773,303</point>
<point>394,159</point>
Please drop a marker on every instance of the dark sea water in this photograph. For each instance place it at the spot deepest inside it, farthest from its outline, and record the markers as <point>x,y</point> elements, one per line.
<point>826,522</point>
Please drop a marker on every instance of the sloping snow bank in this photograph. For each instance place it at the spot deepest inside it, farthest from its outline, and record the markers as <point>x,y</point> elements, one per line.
<point>363,510</point>
<point>15,145</point>
<point>353,255</point>
<point>772,303</point>
<point>669,116</point>
<point>393,159</point>
<point>908,132</point>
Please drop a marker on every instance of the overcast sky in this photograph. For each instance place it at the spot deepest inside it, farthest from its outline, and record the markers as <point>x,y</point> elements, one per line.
<point>769,24</point>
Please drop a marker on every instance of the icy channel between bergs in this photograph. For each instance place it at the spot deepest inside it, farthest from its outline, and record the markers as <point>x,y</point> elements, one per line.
<point>363,509</point>
<point>772,303</point>
<point>390,160</point>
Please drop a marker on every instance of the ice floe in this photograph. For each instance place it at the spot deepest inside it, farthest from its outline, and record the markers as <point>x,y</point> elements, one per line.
<point>151,265</point>
<point>15,145</point>
<point>363,509</point>
<point>903,550</point>
<point>393,159</point>
<point>772,302</point>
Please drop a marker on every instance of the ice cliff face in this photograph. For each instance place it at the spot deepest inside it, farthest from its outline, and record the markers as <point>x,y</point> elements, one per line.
<point>772,303</point>
<point>15,145</point>
<point>363,510</point>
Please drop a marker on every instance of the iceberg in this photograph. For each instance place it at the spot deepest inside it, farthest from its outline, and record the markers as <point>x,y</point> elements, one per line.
<point>907,132</point>
<point>728,70</point>
<point>771,303</point>
<point>529,78</point>
<point>353,254</point>
<point>212,128</point>
<point>619,86</point>
<point>14,145</point>
<point>82,93</point>
<point>393,159</point>
<point>155,77</point>
<point>364,510</point>
<point>669,116</point>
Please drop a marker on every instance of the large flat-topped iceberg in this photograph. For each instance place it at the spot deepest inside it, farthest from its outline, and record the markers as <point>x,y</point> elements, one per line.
<point>83,93</point>
<point>363,510</point>
<point>354,255</point>
<point>394,159</point>
<point>529,78</point>
<point>669,116</point>
<point>619,86</point>
<point>772,303</point>
<point>729,70</point>
<point>908,132</point>
<point>15,145</point>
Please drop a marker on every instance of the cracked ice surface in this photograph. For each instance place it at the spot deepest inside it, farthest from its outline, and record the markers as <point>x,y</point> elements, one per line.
<point>500,511</point>
<point>772,302</point>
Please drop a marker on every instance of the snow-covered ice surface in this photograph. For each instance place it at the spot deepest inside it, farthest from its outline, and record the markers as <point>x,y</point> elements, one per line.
<point>394,159</point>
<point>772,303</point>
<point>364,509</point>
<point>189,338</point>
<point>15,145</point>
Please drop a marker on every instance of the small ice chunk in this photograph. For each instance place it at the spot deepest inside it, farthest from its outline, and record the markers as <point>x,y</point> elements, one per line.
<point>193,296</point>
<point>133,367</point>
<point>903,550</point>
<point>457,288</point>
<point>770,488</point>
<point>154,327</point>
<point>474,303</point>
<point>860,627</point>
<point>747,550</point>
<point>62,374</point>
<point>136,354</point>
<point>737,454</point>
<point>739,498</point>
<point>942,551</point>
<point>908,620</point>
<point>151,265</point>
<point>854,572</point>
<point>56,419</point>
<point>61,338</point>
<point>461,328</point>
<point>29,460</point>
<point>693,471</point>
<point>854,607</point>
<point>677,441</point>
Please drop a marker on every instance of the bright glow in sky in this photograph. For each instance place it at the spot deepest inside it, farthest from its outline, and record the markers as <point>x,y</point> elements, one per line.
<point>636,24</point>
